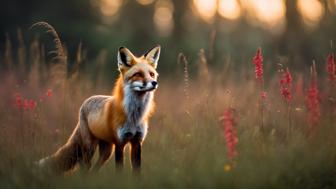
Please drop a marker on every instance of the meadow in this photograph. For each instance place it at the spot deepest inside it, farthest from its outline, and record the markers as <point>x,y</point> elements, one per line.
<point>256,127</point>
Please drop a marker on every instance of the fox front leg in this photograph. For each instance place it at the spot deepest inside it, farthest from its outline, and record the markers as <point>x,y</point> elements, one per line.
<point>119,156</point>
<point>136,152</point>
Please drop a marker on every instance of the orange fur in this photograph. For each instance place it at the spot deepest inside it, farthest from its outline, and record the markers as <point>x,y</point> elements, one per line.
<point>101,118</point>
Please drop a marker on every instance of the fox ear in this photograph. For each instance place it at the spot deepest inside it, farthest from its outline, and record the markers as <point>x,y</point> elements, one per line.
<point>153,56</point>
<point>125,58</point>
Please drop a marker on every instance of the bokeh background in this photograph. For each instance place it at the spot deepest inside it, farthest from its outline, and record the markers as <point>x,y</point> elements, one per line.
<point>294,31</point>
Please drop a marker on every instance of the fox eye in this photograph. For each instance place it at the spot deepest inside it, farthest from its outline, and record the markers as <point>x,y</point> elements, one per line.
<point>138,74</point>
<point>151,74</point>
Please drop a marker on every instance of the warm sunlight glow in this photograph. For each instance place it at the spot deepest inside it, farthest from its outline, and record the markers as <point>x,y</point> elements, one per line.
<point>110,7</point>
<point>145,2</point>
<point>269,14</point>
<point>229,9</point>
<point>331,6</point>
<point>311,11</point>
<point>206,9</point>
<point>163,17</point>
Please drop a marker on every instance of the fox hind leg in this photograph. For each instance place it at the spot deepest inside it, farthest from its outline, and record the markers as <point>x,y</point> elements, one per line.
<point>87,154</point>
<point>88,145</point>
<point>105,150</point>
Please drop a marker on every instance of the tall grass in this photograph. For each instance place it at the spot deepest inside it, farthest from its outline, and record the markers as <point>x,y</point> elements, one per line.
<point>181,150</point>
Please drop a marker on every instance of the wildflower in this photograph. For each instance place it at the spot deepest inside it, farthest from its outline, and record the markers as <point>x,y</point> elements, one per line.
<point>263,95</point>
<point>258,63</point>
<point>25,104</point>
<point>230,133</point>
<point>313,100</point>
<point>331,67</point>
<point>49,93</point>
<point>18,100</point>
<point>285,85</point>
<point>32,104</point>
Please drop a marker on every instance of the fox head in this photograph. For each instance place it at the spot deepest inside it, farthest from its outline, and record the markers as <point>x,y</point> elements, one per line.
<point>139,73</point>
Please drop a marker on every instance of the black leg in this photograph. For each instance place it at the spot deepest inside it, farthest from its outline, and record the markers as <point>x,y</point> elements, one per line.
<point>105,150</point>
<point>119,156</point>
<point>136,156</point>
<point>136,152</point>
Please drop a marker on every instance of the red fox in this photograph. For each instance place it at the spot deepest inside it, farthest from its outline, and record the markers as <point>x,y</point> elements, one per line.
<point>113,121</point>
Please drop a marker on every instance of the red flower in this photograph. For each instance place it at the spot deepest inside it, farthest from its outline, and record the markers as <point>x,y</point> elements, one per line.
<point>18,100</point>
<point>263,95</point>
<point>285,85</point>
<point>49,93</point>
<point>258,64</point>
<point>25,104</point>
<point>32,104</point>
<point>313,100</point>
<point>331,67</point>
<point>230,133</point>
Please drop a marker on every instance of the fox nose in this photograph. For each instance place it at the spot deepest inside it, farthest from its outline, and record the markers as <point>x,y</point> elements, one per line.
<point>154,83</point>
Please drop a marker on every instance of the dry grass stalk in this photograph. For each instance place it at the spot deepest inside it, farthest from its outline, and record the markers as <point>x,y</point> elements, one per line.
<point>79,58</point>
<point>183,60</point>
<point>8,56</point>
<point>21,52</point>
<point>203,71</point>
<point>101,62</point>
<point>43,68</point>
<point>59,68</point>
<point>226,68</point>
<point>213,37</point>
<point>35,58</point>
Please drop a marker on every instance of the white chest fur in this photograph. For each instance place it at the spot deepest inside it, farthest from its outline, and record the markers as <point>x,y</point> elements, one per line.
<point>136,108</point>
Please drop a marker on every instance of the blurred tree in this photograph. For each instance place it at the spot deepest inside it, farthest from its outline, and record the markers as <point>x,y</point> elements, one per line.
<point>79,21</point>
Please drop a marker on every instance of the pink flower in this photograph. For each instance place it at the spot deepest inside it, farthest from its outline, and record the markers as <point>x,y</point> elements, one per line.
<point>25,104</point>
<point>313,100</point>
<point>32,104</point>
<point>49,93</point>
<point>258,64</point>
<point>285,85</point>
<point>263,95</point>
<point>331,67</point>
<point>18,100</point>
<point>230,133</point>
